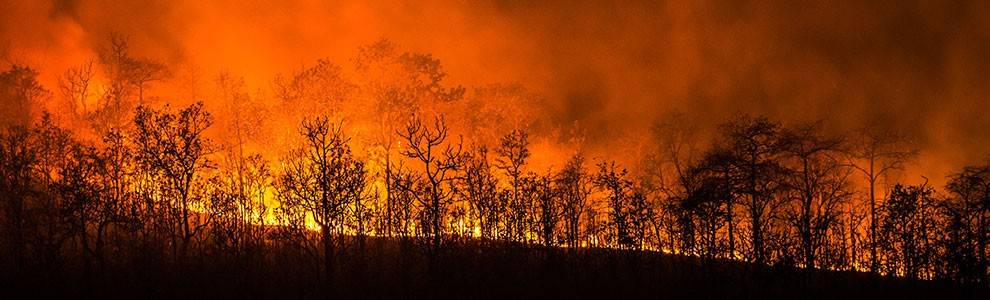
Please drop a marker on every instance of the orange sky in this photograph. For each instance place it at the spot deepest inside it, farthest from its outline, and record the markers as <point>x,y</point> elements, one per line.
<point>917,66</point>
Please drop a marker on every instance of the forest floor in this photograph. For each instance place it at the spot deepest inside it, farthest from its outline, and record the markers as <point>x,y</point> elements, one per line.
<point>388,268</point>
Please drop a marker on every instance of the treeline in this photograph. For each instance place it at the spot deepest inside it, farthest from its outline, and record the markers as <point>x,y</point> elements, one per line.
<point>765,194</point>
<point>154,190</point>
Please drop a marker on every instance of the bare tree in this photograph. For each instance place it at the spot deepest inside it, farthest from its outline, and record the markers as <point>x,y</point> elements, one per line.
<point>819,185</point>
<point>126,75</point>
<point>618,190</point>
<point>756,144</point>
<point>173,149</point>
<point>512,154</point>
<point>238,200</point>
<point>439,158</point>
<point>679,172</point>
<point>396,85</point>
<point>248,176</point>
<point>547,210</point>
<point>143,72</point>
<point>876,152</point>
<point>321,179</point>
<point>968,214</point>
<point>479,187</point>
<point>407,188</point>
<point>76,86</point>
<point>907,231</point>
<point>575,188</point>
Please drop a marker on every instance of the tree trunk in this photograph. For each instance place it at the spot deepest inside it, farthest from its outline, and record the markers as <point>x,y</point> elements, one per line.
<point>328,254</point>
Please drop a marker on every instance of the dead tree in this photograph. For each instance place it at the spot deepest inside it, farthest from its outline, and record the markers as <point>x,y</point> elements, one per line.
<point>968,217</point>
<point>479,187</point>
<point>439,159</point>
<point>126,76</point>
<point>396,85</point>
<point>618,189</point>
<point>756,144</point>
<point>819,187</point>
<point>547,208</point>
<point>321,179</point>
<point>76,86</point>
<point>907,230</point>
<point>875,153</point>
<point>512,154</point>
<point>575,188</point>
<point>172,148</point>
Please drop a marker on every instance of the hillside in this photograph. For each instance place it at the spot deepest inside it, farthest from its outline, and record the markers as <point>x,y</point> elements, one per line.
<point>469,270</point>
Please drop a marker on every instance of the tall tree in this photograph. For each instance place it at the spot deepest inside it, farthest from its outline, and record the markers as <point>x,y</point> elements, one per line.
<point>907,230</point>
<point>618,189</point>
<point>756,143</point>
<point>73,171</point>
<point>512,152</point>
<point>818,181</point>
<point>76,86</point>
<point>877,151</point>
<point>439,158</point>
<point>547,209</point>
<point>17,160</point>
<point>479,187</point>
<point>321,179</point>
<point>575,188</point>
<point>719,178</point>
<point>968,213</point>
<point>173,149</point>
<point>20,92</point>
<point>705,209</point>
<point>126,76</point>
<point>394,86</point>
<point>316,91</point>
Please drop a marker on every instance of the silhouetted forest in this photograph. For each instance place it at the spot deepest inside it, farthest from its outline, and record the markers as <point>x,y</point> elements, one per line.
<point>125,195</point>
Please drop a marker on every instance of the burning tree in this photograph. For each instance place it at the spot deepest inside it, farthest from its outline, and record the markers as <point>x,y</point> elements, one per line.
<point>125,75</point>
<point>19,93</point>
<point>319,180</point>
<point>620,203</point>
<point>819,187</point>
<point>172,150</point>
<point>968,215</point>
<point>755,142</point>
<point>479,187</point>
<point>907,231</point>
<point>512,154</point>
<point>878,151</point>
<point>575,188</point>
<point>439,158</point>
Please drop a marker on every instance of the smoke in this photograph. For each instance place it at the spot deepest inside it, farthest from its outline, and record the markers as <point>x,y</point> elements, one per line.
<point>614,69</point>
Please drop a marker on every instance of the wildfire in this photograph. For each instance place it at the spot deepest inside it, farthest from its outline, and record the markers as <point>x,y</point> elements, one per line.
<point>685,131</point>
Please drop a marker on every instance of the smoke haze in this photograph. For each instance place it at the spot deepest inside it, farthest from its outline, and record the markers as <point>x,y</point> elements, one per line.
<point>613,69</point>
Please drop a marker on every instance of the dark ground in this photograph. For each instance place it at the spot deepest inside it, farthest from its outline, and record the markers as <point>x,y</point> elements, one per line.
<point>468,271</point>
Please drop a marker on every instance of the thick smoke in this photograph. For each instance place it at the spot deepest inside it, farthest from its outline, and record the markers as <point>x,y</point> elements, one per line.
<point>614,69</point>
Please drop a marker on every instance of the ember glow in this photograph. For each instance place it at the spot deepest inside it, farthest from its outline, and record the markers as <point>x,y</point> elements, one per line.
<point>810,135</point>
